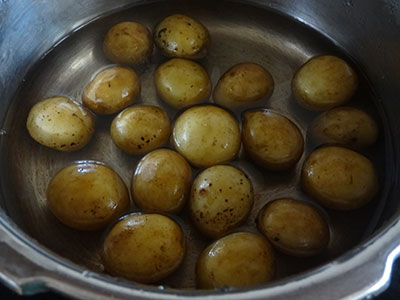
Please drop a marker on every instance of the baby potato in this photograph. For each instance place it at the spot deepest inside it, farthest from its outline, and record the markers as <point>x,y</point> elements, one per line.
<point>220,200</point>
<point>161,182</point>
<point>345,125</point>
<point>111,90</point>
<point>140,129</point>
<point>243,84</point>
<point>61,124</point>
<point>271,140</point>
<point>144,247</point>
<point>240,259</point>
<point>206,136</point>
<point>128,43</point>
<point>339,178</point>
<point>181,36</point>
<point>87,196</point>
<point>182,83</point>
<point>294,227</point>
<point>324,82</point>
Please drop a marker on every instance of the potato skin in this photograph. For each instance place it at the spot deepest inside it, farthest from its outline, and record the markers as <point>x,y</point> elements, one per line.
<point>128,43</point>
<point>271,140</point>
<point>111,90</point>
<point>144,248</point>
<point>140,129</point>
<point>61,124</point>
<point>161,182</point>
<point>182,83</point>
<point>206,136</point>
<point>243,84</point>
<point>181,36</point>
<point>324,82</point>
<point>294,227</point>
<point>345,125</point>
<point>339,178</point>
<point>240,259</point>
<point>87,196</point>
<point>220,200</point>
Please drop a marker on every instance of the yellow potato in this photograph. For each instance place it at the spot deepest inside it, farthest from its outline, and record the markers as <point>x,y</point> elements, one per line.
<point>345,125</point>
<point>206,136</point>
<point>294,227</point>
<point>240,260</point>
<point>144,247</point>
<point>161,182</point>
<point>271,140</point>
<point>61,124</point>
<point>182,83</point>
<point>181,36</point>
<point>324,82</point>
<point>339,178</point>
<point>128,43</point>
<point>243,84</point>
<point>221,199</point>
<point>140,129</point>
<point>111,90</point>
<point>87,196</point>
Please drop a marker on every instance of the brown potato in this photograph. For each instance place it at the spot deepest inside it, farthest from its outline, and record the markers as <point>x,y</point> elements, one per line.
<point>221,199</point>
<point>243,84</point>
<point>61,124</point>
<point>182,83</point>
<point>271,140</point>
<point>181,36</point>
<point>206,136</point>
<point>111,90</point>
<point>144,247</point>
<point>161,182</point>
<point>140,129</point>
<point>324,82</point>
<point>128,43</point>
<point>345,125</point>
<point>240,259</point>
<point>294,227</point>
<point>339,178</point>
<point>87,196</point>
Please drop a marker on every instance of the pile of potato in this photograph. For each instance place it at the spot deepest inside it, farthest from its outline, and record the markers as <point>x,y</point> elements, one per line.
<point>146,247</point>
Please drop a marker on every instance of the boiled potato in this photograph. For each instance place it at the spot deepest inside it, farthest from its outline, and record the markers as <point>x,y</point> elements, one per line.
<point>87,196</point>
<point>339,178</point>
<point>240,259</point>
<point>182,83</point>
<point>61,124</point>
<point>206,136</point>
<point>294,227</point>
<point>128,43</point>
<point>271,140</point>
<point>324,82</point>
<point>345,125</point>
<point>243,84</point>
<point>111,90</point>
<point>140,129</point>
<point>161,182</point>
<point>144,247</point>
<point>181,36</point>
<point>221,199</point>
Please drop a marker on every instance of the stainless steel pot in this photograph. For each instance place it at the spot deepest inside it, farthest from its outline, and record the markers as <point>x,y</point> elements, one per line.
<point>368,31</point>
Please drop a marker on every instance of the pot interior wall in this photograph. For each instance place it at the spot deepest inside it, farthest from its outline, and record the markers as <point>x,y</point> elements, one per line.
<point>240,33</point>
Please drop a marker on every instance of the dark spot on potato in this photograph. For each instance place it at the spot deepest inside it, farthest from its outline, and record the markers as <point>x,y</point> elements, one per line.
<point>202,192</point>
<point>226,200</point>
<point>276,239</point>
<point>109,85</point>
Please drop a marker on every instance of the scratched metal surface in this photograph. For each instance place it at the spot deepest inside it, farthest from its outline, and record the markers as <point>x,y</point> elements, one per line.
<point>276,42</point>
